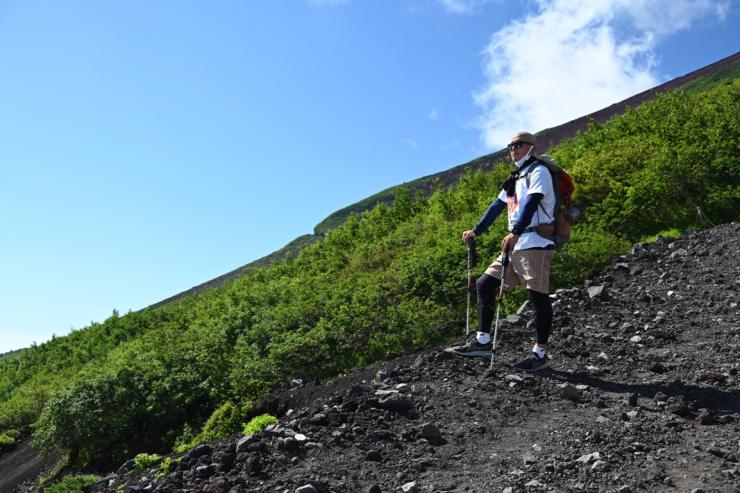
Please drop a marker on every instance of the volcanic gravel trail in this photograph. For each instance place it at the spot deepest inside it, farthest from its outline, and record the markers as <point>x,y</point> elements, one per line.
<point>642,396</point>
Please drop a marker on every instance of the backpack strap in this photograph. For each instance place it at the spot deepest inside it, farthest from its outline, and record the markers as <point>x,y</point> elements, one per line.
<point>539,162</point>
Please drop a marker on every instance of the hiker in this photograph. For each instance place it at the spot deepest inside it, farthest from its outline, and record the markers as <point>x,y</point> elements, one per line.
<point>529,196</point>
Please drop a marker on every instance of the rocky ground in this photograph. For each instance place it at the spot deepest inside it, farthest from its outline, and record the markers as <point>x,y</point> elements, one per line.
<point>642,396</point>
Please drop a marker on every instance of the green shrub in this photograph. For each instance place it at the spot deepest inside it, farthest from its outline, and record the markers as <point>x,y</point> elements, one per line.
<point>185,439</point>
<point>227,419</point>
<point>164,468</point>
<point>73,484</point>
<point>91,416</point>
<point>8,438</point>
<point>258,423</point>
<point>142,461</point>
<point>668,233</point>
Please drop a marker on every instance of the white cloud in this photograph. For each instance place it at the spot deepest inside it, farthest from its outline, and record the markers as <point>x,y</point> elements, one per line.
<point>433,114</point>
<point>463,6</point>
<point>572,57</point>
<point>326,3</point>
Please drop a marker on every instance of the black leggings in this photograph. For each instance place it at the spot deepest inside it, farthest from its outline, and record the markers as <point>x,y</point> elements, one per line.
<point>487,288</point>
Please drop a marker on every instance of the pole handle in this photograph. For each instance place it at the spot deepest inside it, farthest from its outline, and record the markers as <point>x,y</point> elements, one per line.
<point>472,254</point>
<point>505,259</point>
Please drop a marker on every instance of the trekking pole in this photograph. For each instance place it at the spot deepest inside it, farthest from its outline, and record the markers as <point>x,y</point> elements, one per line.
<point>504,263</point>
<point>471,264</point>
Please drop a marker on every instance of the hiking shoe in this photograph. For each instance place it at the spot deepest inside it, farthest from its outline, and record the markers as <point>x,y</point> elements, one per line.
<point>472,348</point>
<point>532,363</point>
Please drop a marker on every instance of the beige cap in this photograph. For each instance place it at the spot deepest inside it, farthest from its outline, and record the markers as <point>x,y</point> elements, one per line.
<point>524,137</point>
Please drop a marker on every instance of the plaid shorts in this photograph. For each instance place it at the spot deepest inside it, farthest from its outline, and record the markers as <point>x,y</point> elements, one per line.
<point>531,268</point>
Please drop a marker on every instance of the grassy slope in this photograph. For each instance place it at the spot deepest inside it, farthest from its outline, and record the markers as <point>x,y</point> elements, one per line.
<point>721,76</point>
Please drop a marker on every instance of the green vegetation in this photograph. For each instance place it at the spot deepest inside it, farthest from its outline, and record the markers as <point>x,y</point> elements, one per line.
<point>723,76</point>
<point>225,420</point>
<point>386,282</point>
<point>165,467</point>
<point>73,484</point>
<point>11,353</point>
<point>142,461</point>
<point>668,233</point>
<point>8,438</point>
<point>258,423</point>
<point>289,251</point>
<point>671,163</point>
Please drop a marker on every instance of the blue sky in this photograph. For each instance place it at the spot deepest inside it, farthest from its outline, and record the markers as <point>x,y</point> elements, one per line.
<point>148,146</point>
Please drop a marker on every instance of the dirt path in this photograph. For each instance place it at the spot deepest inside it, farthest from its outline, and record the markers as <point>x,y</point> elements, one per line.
<point>20,467</point>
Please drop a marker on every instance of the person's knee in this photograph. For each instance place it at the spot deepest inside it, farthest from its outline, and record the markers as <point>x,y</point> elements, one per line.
<point>486,285</point>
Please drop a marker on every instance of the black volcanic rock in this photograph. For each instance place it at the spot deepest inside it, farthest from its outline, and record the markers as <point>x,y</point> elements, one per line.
<point>642,395</point>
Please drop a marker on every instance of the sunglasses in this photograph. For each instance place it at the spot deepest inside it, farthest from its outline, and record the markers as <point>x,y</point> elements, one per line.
<point>516,145</point>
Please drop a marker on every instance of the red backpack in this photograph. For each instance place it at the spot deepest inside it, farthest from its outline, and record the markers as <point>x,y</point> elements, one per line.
<point>558,229</point>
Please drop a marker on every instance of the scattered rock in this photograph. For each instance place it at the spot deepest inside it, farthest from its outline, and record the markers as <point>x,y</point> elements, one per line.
<point>205,472</point>
<point>379,435</point>
<point>306,489</point>
<point>678,406</point>
<point>585,459</point>
<point>523,308</point>
<point>706,417</point>
<point>632,399</point>
<point>535,484</point>
<point>200,451</point>
<point>243,442</point>
<point>595,291</point>
<point>719,452</point>
<point>570,392</point>
<point>599,465</point>
<point>374,456</point>
<point>397,403</point>
<point>410,487</point>
<point>430,432</point>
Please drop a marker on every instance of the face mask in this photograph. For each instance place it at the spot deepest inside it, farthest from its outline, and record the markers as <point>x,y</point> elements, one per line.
<point>523,160</point>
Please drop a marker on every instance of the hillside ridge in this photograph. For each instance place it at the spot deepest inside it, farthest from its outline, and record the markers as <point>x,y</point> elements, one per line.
<point>548,138</point>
